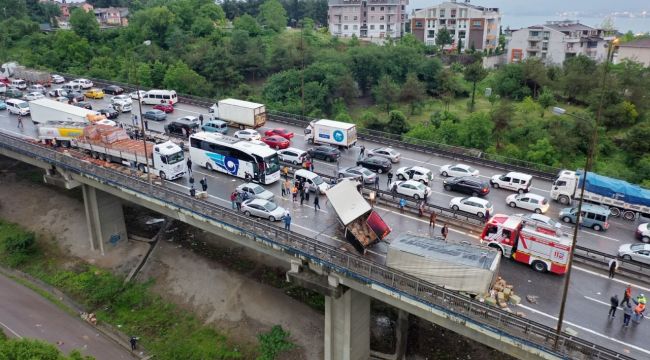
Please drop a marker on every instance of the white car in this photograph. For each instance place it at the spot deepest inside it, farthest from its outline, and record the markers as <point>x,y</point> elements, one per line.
<point>247,134</point>
<point>189,118</point>
<point>259,142</point>
<point>472,205</point>
<point>121,99</point>
<point>57,79</point>
<point>385,152</point>
<point>263,208</point>
<point>418,173</point>
<point>292,155</point>
<point>636,252</point>
<point>84,83</point>
<point>134,95</point>
<point>532,202</point>
<point>458,170</point>
<point>540,219</point>
<point>255,191</point>
<point>643,232</point>
<point>34,95</point>
<point>411,188</point>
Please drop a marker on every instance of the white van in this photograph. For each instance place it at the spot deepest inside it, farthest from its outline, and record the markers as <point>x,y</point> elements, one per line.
<point>70,87</point>
<point>514,181</point>
<point>19,84</point>
<point>18,107</point>
<point>155,97</point>
<point>314,180</point>
<point>84,83</point>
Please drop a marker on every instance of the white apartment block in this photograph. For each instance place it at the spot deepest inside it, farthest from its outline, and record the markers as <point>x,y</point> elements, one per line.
<point>374,19</point>
<point>469,25</point>
<point>556,41</point>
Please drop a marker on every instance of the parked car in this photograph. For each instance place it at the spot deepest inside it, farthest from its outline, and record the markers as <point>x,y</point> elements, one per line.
<point>217,126</point>
<point>110,113</point>
<point>635,252</point>
<point>121,99</point>
<point>84,104</point>
<point>458,170</point>
<point>418,173</point>
<point>57,79</point>
<point>192,119</point>
<point>281,132</point>
<point>164,107</point>
<point>467,185</point>
<point>532,202</point>
<point>255,191</point>
<point>37,88</point>
<point>276,142</point>
<point>472,205</point>
<point>263,209</point>
<point>134,95</point>
<point>113,90</point>
<point>13,93</point>
<point>75,96</point>
<point>57,93</point>
<point>247,134</point>
<point>94,93</point>
<point>84,83</point>
<point>155,115</point>
<point>591,216</point>
<point>181,127</point>
<point>35,95</point>
<point>411,188</point>
<point>642,231</point>
<point>358,173</point>
<point>514,181</point>
<point>3,105</point>
<point>378,164</point>
<point>324,152</point>
<point>292,155</point>
<point>385,152</point>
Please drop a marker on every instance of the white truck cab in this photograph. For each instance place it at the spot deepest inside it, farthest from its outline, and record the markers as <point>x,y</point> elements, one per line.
<point>564,187</point>
<point>169,160</point>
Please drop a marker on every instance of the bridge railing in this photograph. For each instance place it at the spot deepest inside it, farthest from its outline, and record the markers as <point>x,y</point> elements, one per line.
<point>347,264</point>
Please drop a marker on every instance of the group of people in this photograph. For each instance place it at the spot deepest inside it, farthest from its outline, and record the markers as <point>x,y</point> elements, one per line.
<point>300,189</point>
<point>634,313</point>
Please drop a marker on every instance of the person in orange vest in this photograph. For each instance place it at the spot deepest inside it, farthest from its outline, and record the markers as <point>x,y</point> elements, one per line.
<point>627,295</point>
<point>640,308</point>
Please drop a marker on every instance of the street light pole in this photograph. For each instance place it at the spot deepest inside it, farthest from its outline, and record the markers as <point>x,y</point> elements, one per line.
<point>142,127</point>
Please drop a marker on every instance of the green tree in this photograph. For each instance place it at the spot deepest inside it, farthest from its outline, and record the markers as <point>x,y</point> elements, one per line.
<point>579,77</point>
<point>273,16</point>
<point>528,106</point>
<point>413,91</point>
<point>534,74</point>
<point>542,152</point>
<point>273,343</point>
<point>202,26</point>
<point>247,23</point>
<point>84,23</point>
<point>448,86</point>
<point>35,349</point>
<point>347,89</point>
<point>443,37</point>
<point>385,92</point>
<point>473,74</point>
<point>185,80</point>
<point>501,117</point>
<point>397,123</point>
<point>476,131</point>
<point>546,99</point>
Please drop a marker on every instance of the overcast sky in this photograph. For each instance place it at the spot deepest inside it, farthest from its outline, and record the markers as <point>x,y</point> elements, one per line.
<point>553,7</point>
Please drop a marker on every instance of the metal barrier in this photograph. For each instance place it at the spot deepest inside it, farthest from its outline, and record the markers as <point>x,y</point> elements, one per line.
<point>347,264</point>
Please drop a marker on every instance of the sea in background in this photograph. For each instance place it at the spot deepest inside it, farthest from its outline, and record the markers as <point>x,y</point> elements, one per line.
<point>622,24</point>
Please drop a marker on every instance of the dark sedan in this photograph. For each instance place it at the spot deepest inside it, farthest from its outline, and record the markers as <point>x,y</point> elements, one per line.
<point>113,90</point>
<point>378,164</point>
<point>109,113</point>
<point>324,153</point>
<point>468,185</point>
<point>155,115</point>
<point>84,104</point>
<point>75,95</point>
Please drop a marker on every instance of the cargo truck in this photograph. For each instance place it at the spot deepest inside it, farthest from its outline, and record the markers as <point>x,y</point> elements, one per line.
<point>46,109</point>
<point>362,226</point>
<point>461,267</point>
<point>32,76</point>
<point>239,113</point>
<point>621,197</point>
<point>113,144</point>
<point>331,132</point>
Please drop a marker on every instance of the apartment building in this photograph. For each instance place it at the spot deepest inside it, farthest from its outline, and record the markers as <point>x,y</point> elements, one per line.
<point>367,19</point>
<point>112,16</point>
<point>556,41</point>
<point>469,25</point>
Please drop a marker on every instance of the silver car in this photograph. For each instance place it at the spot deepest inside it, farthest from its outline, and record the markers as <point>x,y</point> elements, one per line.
<point>386,152</point>
<point>263,208</point>
<point>636,252</point>
<point>255,191</point>
<point>358,172</point>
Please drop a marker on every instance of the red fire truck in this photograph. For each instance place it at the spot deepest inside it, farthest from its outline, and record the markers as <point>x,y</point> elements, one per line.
<point>541,246</point>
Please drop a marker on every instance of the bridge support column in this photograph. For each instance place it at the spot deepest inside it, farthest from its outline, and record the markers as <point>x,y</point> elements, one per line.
<point>104,216</point>
<point>347,326</point>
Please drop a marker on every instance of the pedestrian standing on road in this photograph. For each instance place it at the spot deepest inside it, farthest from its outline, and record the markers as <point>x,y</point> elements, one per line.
<point>146,124</point>
<point>421,209</point>
<point>294,193</point>
<point>627,295</point>
<point>613,302</point>
<point>285,172</point>
<point>238,200</point>
<point>20,122</point>
<point>444,231</point>
<point>192,180</point>
<point>233,199</point>
<point>432,220</point>
<point>192,191</point>
<point>287,222</point>
<point>302,196</point>
<point>284,189</point>
<point>311,165</point>
<point>189,166</point>
<point>306,188</point>
<point>402,203</point>
<point>627,314</point>
<point>316,202</point>
<point>204,184</point>
<point>487,215</point>
<point>201,119</point>
<point>377,182</point>
<point>613,265</point>
<point>134,342</point>
<point>390,179</point>
<point>638,310</point>
<point>287,187</point>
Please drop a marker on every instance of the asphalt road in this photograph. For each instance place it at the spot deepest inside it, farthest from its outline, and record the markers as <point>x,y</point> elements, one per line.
<point>26,314</point>
<point>589,292</point>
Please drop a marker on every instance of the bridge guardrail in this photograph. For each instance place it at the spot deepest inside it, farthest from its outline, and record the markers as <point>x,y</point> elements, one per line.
<point>332,258</point>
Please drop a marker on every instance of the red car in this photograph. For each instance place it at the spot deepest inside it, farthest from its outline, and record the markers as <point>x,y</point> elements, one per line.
<point>276,142</point>
<point>280,132</point>
<point>164,107</point>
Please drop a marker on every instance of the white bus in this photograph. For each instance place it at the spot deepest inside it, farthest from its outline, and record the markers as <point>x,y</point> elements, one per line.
<point>235,157</point>
<point>155,97</point>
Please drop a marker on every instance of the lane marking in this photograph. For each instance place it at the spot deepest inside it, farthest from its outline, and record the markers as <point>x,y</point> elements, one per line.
<point>13,332</point>
<point>636,286</point>
<point>601,302</point>
<point>587,330</point>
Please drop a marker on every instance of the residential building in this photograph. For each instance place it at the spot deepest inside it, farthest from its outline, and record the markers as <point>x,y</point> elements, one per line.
<point>66,8</point>
<point>112,16</point>
<point>470,26</point>
<point>556,41</point>
<point>636,50</point>
<point>367,19</point>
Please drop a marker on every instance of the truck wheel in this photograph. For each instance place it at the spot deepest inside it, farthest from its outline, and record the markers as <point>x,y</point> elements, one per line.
<point>629,215</point>
<point>310,141</point>
<point>566,219</point>
<point>597,227</point>
<point>539,266</point>
<point>645,239</point>
<point>615,212</point>
<point>141,168</point>
<point>513,204</point>
<point>242,127</point>
<point>564,200</point>
<point>163,175</point>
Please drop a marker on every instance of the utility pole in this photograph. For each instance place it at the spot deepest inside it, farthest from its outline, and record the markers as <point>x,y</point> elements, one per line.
<point>302,66</point>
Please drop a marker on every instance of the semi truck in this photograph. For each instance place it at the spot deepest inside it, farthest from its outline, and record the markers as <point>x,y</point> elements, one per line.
<point>461,267</point>
<point>239,113</point>
<point>32,76</point>
<point>362,226</point>
<point>44,110</point>
<point>542,246</point>
<point>331,132</point>
<point>621,197</point>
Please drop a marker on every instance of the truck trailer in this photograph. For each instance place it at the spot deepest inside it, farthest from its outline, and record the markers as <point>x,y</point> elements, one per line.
<point>44,110</point>
<point>462,267</point>
<point>362,226</point>
<point>331,132</point>
<point>239,113</point>
<point>621,197</point>
<point>32,76</point>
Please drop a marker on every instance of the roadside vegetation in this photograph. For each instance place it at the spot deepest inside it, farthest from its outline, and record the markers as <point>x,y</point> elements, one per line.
<point>34,349</point>
<point>244,49</point>
<point>165,330</point>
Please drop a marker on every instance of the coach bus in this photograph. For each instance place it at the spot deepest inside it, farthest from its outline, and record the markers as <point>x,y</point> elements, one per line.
<point>235,157</point>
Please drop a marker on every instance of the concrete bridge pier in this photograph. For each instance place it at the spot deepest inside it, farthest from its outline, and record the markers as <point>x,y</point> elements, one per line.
<point>104,216</point>
<point>347,326</point>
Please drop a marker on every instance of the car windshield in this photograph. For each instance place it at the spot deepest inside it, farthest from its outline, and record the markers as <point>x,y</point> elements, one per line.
<point>488,204</point>
<point>420,186</point>
<point>270,206</point>
<point>175,158</point>
<point>470,169</point>
<point>317,180</point>
<point>365,171</point>
<point>23,105</point>
<point>272,164</point>
<point>257,189</point>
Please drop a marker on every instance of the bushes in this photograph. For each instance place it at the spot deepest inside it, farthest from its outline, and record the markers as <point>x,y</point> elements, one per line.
<point>16,244</point>
<point>273,343</point>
